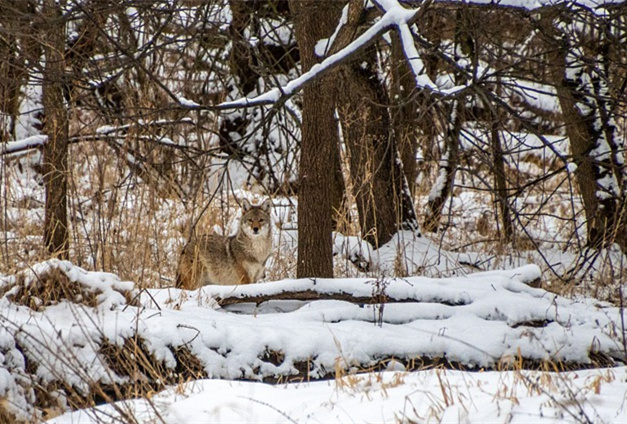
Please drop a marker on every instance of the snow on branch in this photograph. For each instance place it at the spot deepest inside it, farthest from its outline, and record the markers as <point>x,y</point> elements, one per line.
<point>280,94</point>
<point>107,131</point>
<point>404,18</point>
<point>28,143</point>
<point>395,16</point>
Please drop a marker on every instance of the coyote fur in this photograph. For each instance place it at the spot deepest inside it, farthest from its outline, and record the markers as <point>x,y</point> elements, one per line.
<point>238,259</point>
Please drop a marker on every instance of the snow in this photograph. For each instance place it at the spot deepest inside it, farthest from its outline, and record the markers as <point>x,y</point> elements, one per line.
<point>434,396</point>
<point>541,96</point>
<point>24,144</point>
<point>571,167</point>
<point>358,251</point>
<point>481,320</point>
<point>106,129</point>
<point>437,190</point>
<point>187,103</point>
<point>397,17</point>
<point>30,108</point>
<point>518,145</point>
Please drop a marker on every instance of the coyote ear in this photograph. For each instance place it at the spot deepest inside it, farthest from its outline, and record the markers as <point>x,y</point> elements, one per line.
<point>246,205</point>
<point>266,205</point>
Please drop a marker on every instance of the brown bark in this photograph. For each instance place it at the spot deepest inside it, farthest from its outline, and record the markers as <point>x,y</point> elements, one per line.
<point>340,215</point>
<point>454,117</point>
<point>605,217</point>
<point>56,127</point>
<point>312,295</point>
<point>500,180</point>
<point>379,186</point>
<point>403,111</point>
<point>17,48</point>
<point>381,191</point>
<point>506,231</point>
<point>449,162</point>
<point>263,293</point>
<point>314,20</point>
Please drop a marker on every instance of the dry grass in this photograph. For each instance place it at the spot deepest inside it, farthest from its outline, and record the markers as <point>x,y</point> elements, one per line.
<point>122,224</point>
<point>40,290</point>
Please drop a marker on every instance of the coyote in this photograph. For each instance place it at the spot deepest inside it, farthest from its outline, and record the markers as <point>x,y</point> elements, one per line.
<point>238,259</point>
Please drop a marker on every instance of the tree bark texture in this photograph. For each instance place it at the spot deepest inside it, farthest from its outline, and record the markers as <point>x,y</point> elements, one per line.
<point>380,188</point>
<point>381,192</point>
<point>56,127</point>
<point>314,20</point>
<point>449,162</point>
<point>404,111</point>
<point>591,131</point>
<point>16,50</point>
<point>500,181</point>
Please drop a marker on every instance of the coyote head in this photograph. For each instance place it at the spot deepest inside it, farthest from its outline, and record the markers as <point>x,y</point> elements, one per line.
<point>256,219</point>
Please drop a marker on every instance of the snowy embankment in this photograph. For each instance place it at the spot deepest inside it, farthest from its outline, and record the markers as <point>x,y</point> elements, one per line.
<point>65,331</point>
<point>433,396</point>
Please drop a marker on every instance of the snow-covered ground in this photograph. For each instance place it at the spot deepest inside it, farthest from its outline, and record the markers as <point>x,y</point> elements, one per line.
<point>482,321</point>
<point>433,396</point>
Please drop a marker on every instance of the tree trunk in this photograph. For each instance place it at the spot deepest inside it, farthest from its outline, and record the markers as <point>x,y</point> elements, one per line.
<point>383,197</point>
<point>500,181</point>
<point>449,161</point>
<point>241,57</point>
<point>465,51</point>
<point>314,20</point>
<point>56,127</point>
<point>404,116</point>
<point>582,93</point>
<point>16,49</point>
<point>506,231</point>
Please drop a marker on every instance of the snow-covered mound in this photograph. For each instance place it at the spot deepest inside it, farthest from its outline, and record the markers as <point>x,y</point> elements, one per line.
<point>66,331</point>
<point>434,396</point>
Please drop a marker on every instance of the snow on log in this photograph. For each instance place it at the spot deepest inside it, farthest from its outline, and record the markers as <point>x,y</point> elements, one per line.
<point>73,336</point>
<point>365,291</point>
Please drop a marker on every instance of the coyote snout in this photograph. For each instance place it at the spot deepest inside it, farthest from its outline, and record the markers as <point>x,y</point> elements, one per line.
<point>239,259</point>
<point>256,225</point>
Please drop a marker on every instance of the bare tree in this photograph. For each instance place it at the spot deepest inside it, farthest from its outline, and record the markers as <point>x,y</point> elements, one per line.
<point>181,92</point>
<point>314,20</point>
<point>380,187</point>
<point>580,47</point>
<point>56,127</point>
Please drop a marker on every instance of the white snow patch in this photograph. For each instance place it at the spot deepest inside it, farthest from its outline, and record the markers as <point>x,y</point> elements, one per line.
<point>433,396</point>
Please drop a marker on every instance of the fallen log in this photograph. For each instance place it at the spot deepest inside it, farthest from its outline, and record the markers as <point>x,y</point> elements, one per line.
<point>373,291</point>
